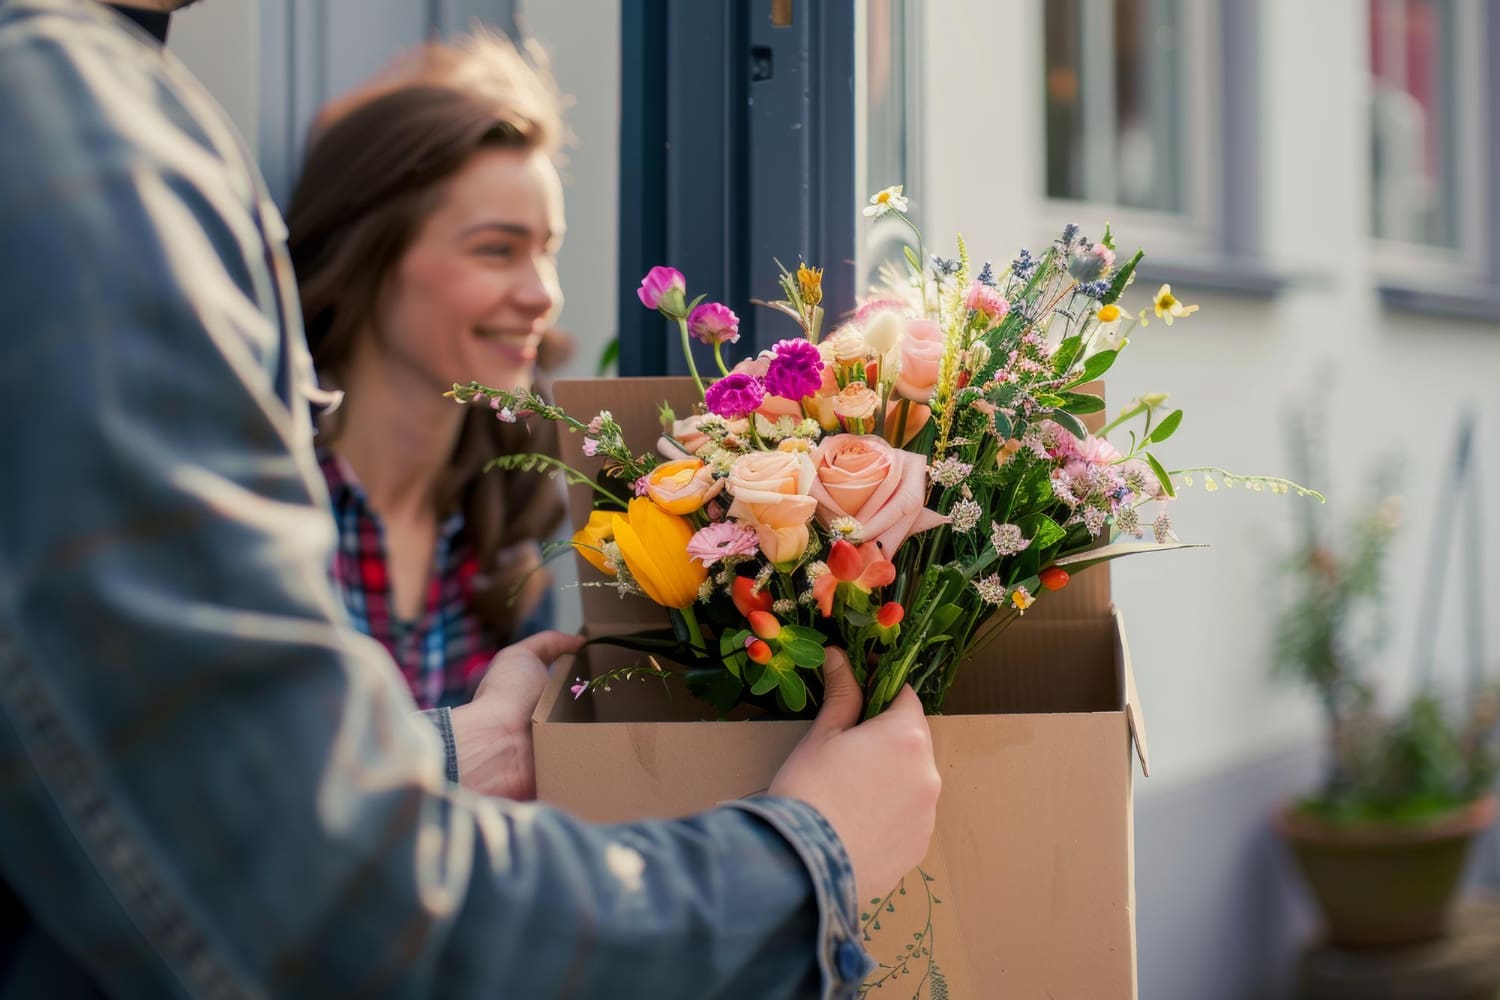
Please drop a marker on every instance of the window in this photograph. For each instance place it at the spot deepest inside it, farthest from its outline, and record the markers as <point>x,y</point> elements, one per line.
<point>888,125</point>
<point>1126,91</point>
<point>1426,170</point>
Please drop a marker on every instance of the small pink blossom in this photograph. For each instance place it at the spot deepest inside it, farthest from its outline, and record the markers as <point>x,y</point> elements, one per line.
<point>642,486</point>
<point>578,687</point>
<point>719,541</point>
<point>1105,254</point>
<point>714,323</point>
<point>984,299</point>
<point>663,289</point>
<point>590,447</point>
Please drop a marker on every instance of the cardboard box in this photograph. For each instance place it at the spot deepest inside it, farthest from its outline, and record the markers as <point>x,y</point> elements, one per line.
<point>1028,889</point>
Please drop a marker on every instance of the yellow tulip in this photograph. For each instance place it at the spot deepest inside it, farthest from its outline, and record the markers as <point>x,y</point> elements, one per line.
<point>654,545</point>
<point>589,540</point>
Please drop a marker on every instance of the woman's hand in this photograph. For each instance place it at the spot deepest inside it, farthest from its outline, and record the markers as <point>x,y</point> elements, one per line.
<point>493,732</point>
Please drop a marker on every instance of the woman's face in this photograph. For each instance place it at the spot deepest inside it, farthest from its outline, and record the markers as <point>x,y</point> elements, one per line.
<point>477,287</point>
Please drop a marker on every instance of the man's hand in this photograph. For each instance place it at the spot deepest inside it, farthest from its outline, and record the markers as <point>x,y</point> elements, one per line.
<point>493,732</point>
<point>876,783</point>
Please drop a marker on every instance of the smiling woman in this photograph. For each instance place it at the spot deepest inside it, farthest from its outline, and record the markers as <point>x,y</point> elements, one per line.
<point>424,231</point>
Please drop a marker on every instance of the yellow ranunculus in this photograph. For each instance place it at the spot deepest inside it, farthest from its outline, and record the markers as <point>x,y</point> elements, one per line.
<point>654,545</point>
<point>589,540</point>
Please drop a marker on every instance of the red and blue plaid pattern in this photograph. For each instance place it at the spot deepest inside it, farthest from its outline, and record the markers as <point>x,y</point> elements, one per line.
<point>443,653</point>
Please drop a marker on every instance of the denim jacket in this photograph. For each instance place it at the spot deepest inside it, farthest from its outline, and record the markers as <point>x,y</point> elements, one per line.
<point>210,784</point>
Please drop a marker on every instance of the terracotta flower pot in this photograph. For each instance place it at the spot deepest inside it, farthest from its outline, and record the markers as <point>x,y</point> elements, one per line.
<point>1382,885</point>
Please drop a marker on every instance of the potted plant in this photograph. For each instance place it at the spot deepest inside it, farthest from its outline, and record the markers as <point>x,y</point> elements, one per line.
<point>1382,843</point>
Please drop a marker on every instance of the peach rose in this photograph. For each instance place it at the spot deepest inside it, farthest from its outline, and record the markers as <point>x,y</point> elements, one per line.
<point>921,356</point>
<point>821,406</point>
<point>857,402</point>
<point>684,486</point>
<point>780,525</point>
<point>765,477</point>
<point>885,490</point>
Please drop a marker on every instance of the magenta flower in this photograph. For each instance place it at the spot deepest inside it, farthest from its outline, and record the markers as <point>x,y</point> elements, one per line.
<point>720,541</point>
<point>714,323</point>
<point>578,687</point>
<point>796,370</point>
<point>735,395</point>
<point>663,289</point>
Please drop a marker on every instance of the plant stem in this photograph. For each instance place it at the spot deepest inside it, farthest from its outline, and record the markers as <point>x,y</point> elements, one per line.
<point>687,352</point>
<point>694,632</point>
<point>719,357</point>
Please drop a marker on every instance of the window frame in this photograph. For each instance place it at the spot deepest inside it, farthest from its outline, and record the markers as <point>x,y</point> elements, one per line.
<point>1472,261</point>
<point>1200,227</point>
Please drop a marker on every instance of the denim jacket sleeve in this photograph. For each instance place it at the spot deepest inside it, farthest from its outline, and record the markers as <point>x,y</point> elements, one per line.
<point>211,785</point>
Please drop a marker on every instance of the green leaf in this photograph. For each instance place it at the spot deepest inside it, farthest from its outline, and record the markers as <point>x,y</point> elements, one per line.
<point>1122,278</point>
<point>1092,557</point>
<point>1042,530</point>
<point>1048,399</point>
<point>609,357</point>
<point>694,304</point>
<point>944,617</point>
<point>803,633</point>
<point>793,691</point>
<point>768,680</point>
<point>1070,423</point>
<point>911,258</point>
<point>1161,475</point>
<point>1082,402</point>
<point>718,688</point>
<point>804,653</point>
<point>1003,427</point>
<point>858,619</point>
<point>1096,365</point>
<point>1164,430</point>
<point>1066,354</point>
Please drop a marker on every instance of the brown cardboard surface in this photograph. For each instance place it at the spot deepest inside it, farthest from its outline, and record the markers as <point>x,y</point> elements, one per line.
<point>1032,857</point>
<point>1032,860</point>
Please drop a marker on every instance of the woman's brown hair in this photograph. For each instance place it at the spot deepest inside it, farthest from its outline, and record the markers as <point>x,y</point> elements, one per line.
<point>372,175</point>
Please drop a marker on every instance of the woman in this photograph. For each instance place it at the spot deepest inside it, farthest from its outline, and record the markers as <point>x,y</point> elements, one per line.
<point>424,231</point>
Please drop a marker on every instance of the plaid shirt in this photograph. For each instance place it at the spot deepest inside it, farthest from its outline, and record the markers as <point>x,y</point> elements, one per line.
<point>443,653</point>
<point>210,784</point>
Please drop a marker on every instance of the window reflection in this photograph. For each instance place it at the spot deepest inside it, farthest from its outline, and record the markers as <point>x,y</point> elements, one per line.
<point>1115,103</point>
<point>1412,81</point>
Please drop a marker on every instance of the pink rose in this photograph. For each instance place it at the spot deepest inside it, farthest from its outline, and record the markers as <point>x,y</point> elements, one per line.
<point>885,490</point>
<point>921,357</point>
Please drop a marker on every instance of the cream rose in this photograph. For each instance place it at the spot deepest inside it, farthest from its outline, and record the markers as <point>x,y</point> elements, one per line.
<point>768,476</point>
<point>885,490</point>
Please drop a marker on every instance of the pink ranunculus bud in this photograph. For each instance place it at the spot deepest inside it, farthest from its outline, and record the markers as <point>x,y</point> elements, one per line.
<point>714,323</point>
<point>664,289</point>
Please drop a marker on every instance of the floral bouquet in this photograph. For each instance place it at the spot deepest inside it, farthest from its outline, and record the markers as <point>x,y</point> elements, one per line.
<point>905,487</point>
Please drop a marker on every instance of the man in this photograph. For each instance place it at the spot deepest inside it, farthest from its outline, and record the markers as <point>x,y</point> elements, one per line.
<point>210,785</point>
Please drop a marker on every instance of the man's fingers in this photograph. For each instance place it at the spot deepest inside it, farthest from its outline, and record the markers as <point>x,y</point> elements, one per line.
<point>548,646</point>
<point>842,698</point>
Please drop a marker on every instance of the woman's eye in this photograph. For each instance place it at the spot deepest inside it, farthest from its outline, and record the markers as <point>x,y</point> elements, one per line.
<point>503,252</point>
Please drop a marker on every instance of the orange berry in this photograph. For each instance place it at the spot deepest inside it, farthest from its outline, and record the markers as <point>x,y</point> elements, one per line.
<point>758,651</point>
<point>1054,578</point>
<point>890,614</point>
<point>764,624</point>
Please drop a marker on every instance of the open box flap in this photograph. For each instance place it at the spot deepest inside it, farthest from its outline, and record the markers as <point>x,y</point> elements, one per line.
<point>1134,717</point>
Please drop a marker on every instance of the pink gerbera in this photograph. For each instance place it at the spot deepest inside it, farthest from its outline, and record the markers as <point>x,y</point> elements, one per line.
<point>720,541</point>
